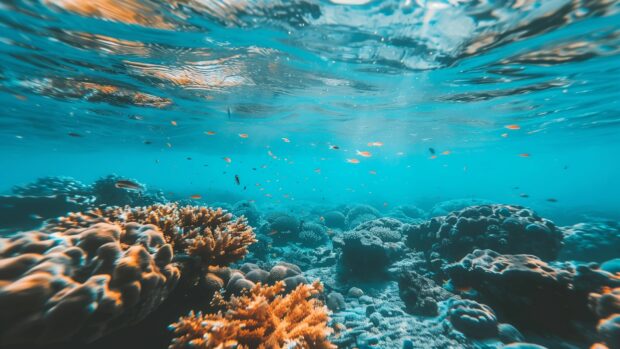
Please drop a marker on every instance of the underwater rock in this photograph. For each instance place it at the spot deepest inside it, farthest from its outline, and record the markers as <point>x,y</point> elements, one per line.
<point>313,234</point>
<point>611,266</point>
<point>502,228</point>
<point>518,285</point>
<point>334,219</point>
<point>445,207</point>
<point>591,242</point>
<point>509,334</point>
<point>248,210</point>
<point>365,253</point>
<point>472,318</point>
<point>335,301</point>
<point>421,294</point>
<point>359,214</point>
<point>81,283</point>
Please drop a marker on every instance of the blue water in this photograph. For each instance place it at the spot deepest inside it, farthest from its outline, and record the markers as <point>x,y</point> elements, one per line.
<point>514,102</point>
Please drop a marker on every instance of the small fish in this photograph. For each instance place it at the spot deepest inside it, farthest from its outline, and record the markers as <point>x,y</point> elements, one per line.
<point>322,219</point>
<point>136,117</point>
<point>229,112</point>
<point>372,172</point>
<point>173,123</point>
<point>464,289</point>
<point>237,180</point>
<point>375,144</point>
<point>353,161</point>
<point>209,133</point>
<point>245,187</point>
<point>513,127</point>
<point>524,155</point>
<point>169,145</point>
<point>196,197</point>
<point>433,157</point>
<point>432,151</point>
<point>447,152</point>
<point>127,184</point>
<point>334,147</point>
<point>385,204</point>
<point>317,170</point>
<point>505,135</point>
<point>243,135</point>
<point>227,159</point>
<point>365,154</point>
<point>552,200</point>
<point>148,142</point>
<point>73,134</point>
<point>286,140</point>
<point>524,195</point>
<point>273,232</point>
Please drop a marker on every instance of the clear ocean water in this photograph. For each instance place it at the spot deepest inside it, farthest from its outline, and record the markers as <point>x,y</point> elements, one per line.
<point>305,104</point>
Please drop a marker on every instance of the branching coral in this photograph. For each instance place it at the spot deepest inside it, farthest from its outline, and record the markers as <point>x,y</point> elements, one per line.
<point>262,318</point>
<point>211,235</point>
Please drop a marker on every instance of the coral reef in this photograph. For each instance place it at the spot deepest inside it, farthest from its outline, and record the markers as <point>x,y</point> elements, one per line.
<point>595,242</point>
<point>248,210</point>
<point>213,236</point>
<point>472,318</point>
<point>421,294</point>
<point>262,318</point>
<point>371,247</point>
<point>359,214</point>
<point>445,207</point>
<point>606,305</point>
<point>334,219</point>
<point>502,228</point>
<point>81,283</point>
<point>517,285</point>
<point>313,234</point>
<point>107,194</point>
<point>48,186</point>
<point>281,227</point>
<point>408,214</point>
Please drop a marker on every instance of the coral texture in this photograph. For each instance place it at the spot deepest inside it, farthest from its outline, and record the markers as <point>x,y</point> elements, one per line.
<point>502,228</point>
<point>606,305</point>
<point>211,235</point>
<point>420,294</point>
<point>81,283</point>
<point>472,318</point>
<point>595,242</point>
<point>261,318</point>
<point>359,214</point>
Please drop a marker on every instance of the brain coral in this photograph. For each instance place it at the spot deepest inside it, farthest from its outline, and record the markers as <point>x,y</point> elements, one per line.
<point>262,318</point>
<point>472,318</point>
<point>211,235</point>
<point>502,228</point>
<point>81,283</point>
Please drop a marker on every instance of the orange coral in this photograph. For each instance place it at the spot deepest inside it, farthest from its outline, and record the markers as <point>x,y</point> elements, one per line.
<point>263,319</point>
<point>209,234</point>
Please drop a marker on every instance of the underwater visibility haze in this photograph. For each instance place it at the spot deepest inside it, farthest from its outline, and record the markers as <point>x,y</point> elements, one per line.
<point>310,174</point>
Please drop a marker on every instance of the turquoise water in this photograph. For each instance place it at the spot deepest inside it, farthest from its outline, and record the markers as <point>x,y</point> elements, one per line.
<point>319,103</point>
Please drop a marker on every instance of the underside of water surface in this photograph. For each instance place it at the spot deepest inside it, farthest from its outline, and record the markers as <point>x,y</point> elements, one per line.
<point>309,174</point>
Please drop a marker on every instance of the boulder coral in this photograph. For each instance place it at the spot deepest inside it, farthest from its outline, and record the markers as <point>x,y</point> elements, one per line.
<point>262,318</point>
<point>518,285</point>
<point>359,214</point>
<point>596,242</point>
<point>81,283</point>
<point>606,305</point>
<point>472,318</point>
<point>502,228</point>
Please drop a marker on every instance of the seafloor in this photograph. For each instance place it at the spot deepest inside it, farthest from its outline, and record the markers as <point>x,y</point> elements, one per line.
<point>122,269</point>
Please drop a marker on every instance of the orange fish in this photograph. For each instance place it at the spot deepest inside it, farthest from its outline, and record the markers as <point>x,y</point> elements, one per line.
<point>174,123</point>
<point>209,133</point>
<point>513,127</point>
<point>228,160</point>
<point>20,97</point>
<point>243,135</point>
<point>365,154</point>
<point>196,197</point>
<point>375,144</point>
<point>353,161</point>
<point>464,289</point>
<point>372,172</point>
<point>447,152</point>
<point>286,140</point>
<point>524,155</point>
<point>433,157</point>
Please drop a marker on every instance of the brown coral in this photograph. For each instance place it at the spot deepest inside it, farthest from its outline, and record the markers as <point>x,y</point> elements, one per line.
<point>263,319</point>
<point>81,283</point>
<point>209,234</point>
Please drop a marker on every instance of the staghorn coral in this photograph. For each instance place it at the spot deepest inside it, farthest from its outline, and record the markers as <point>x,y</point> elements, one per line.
<point>81,283</point>
<point>262,319</point>
<point>211,235</point>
